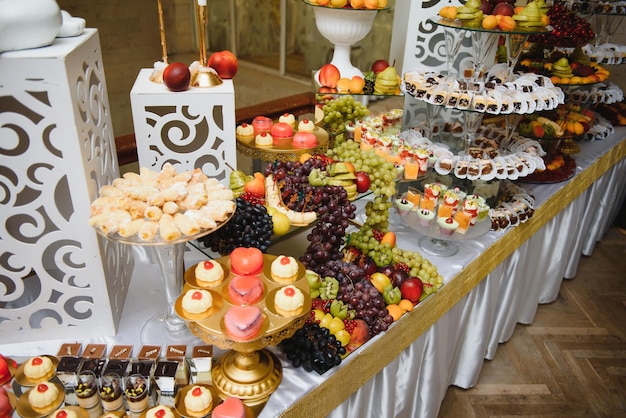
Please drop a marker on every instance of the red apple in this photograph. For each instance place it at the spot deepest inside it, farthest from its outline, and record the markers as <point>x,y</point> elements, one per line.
<point>177,76</point>
<point>362,181</point>
<point>359,335</point>
<point>329,75</point>
<point>503,9</point>
<point>486,7</point>
<point>246,261</point>
<point>379,65</point>
<point>411,289</point>
<point>225,63</point>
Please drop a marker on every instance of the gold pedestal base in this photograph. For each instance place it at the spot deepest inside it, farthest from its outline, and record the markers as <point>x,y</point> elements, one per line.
<point>569,146</point>
<point>251,377</point>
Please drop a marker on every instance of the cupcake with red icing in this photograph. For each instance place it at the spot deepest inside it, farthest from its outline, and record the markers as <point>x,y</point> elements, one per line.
<point>304,140</point>
<point>262,124</point>
<point>282,133</point>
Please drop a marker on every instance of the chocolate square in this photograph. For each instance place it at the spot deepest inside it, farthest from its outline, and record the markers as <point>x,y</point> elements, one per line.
<point>69,349</point>
<point>121,352</point>
<point>94,350</point>
<point>176,352</point>
<point>149,352</point>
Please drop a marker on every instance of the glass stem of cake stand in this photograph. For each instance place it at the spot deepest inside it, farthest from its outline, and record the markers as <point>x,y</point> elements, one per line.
<point>472,121</point>
<point>453,40</point>
<point>484,47</point>
<point>171,262</point>
<point>514,46</point>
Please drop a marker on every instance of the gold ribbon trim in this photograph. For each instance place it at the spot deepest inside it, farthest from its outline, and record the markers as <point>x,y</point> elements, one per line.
<point>369,360</point>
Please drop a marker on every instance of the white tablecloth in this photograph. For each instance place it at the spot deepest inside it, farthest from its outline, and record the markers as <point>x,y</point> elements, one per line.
<point>450,352</point>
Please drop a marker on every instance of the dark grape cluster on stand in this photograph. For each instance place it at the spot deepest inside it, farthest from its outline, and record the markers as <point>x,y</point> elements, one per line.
<point>250,226</point>
<point>313,348</point>
<point>568,29</point>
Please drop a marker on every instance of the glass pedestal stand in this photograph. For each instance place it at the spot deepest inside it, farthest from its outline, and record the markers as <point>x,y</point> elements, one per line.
<point>168,326</point>
<point>343,28</point>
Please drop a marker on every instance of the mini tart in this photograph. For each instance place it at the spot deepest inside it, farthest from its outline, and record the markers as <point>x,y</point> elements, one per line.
<point>63,413</point>
<point>197,303</point>
<point>306,125</point>
<point>245,131</point>
<point>284,269</point>
<point>289,301</point>
<point>43,396</point>
<point>160,411</point>
<point>289,119</point>
<point>263,140</point>
<point>37,368</point>
<point>198,401</point>
<point>209,273</point>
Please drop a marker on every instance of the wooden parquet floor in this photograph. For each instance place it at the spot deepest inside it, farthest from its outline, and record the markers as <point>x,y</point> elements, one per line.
<point>571,361</point>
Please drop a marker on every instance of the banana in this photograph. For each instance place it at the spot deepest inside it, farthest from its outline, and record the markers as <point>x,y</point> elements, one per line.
<point>273,199</point>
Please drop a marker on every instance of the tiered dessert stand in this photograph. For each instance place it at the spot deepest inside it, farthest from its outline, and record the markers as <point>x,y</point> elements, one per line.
<point>247,370</point>
<point>484,46</point>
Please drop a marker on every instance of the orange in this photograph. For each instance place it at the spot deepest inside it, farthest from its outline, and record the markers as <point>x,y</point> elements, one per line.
<point>343,85</point>
<point>490,22</point>
<point>389,238</point>
<point>395,311</point>
<point>356,84</point>
<point>305,156</point>
<point>406,305</point>
<point>545,20</point>
<point>506,23</point>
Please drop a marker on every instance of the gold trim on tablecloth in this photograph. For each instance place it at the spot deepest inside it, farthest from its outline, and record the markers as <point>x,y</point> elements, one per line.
<point>371,359</point>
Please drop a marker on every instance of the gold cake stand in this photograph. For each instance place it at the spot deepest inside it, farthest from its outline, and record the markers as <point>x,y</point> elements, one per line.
<point>282,152</point>
<point>247,370</point>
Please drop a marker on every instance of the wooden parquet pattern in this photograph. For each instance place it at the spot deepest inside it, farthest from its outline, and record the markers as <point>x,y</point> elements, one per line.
<point>571,362</point>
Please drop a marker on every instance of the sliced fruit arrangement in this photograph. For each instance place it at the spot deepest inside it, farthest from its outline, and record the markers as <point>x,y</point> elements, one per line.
<point>336,174</point>
<point>574,68</point>
<point>499,14</point>
<point>566,121</point>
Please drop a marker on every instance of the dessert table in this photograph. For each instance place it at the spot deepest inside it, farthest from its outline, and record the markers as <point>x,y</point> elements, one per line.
<point>492,283</point>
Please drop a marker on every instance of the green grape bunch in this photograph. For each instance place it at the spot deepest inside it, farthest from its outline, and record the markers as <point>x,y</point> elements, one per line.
<point>340,111</point>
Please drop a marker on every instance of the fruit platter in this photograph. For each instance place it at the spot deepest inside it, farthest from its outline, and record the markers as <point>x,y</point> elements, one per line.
<point>500,16</point>
<point>567,121</point>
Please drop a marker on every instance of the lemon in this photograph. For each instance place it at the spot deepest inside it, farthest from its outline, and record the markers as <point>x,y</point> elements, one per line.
<point>280,223</point>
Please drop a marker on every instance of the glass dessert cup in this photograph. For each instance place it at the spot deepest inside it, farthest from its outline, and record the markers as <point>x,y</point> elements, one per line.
<point>248,370</point>
<point>433,241</point>
<point>343,28</point>
<point>167,326</point>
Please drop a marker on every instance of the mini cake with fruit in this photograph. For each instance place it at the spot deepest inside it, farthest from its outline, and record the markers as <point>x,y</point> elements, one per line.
<point>425,217</point>
<point>64,413</point>
<point>263,140</point>
<point>289,301</point>
<point>231,408</point>
<point>43,396</point>
<point>403,205</point>
<point>38,368</point>
<point>245,290</point>
<point>243,322</point>
<point>209,273</point>
<point>284,269</point>
<point>136,393</point>
<point>447,226</point>
<point>160,411</point>
<point>198,401</point>
<point>197,303</point>
<point>304,140</point>
<point>306,125</point>
<point>289,119</point>
<point>245,131</point>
